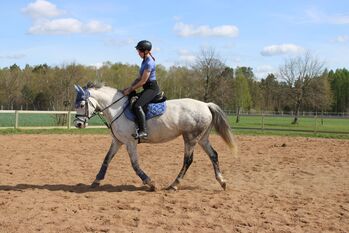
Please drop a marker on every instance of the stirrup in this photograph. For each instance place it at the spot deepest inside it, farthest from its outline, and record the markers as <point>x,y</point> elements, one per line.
<point>140,135</point>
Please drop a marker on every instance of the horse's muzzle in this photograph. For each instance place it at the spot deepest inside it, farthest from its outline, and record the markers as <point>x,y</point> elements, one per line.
<point>80,125</point>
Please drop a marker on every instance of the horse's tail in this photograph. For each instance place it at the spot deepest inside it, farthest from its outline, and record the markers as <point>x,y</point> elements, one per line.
<point>221,125</point>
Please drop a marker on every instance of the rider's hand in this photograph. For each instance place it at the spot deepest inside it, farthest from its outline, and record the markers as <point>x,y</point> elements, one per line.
<point>127,91</point>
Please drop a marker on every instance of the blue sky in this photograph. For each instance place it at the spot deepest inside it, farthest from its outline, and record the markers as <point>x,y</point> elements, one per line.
<point>259,34</point>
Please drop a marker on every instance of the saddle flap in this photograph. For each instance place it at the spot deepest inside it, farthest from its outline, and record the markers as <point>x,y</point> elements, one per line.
<point>153,110</point>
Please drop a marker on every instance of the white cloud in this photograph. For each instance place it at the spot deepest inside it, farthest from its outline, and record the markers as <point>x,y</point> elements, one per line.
<point>56,26</point>
<point>47,20</point>
<point>95,26</point>
<point>281,49</point>
<point>342,39</point>
<point>42,9</point>
<point>186,30</point>
<point>67,26</point>
<point>186,57</point>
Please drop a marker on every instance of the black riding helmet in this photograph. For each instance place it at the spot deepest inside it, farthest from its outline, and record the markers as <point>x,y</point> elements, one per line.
<point>144,45</point>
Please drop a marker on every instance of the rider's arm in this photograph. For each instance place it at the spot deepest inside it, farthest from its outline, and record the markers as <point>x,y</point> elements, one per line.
<point>136,80</point>
<point>138,83</point>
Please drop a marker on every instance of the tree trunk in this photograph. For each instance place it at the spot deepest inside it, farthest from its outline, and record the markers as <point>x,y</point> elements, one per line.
<point>206,89</point>
<point>295,120</point>
<point>238,115</point>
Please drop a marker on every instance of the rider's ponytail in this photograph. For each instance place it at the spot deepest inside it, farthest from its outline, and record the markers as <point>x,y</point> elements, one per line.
<point>151,56</point>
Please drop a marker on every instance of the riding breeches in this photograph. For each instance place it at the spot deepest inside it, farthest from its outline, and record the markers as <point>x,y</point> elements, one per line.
<point>151,89</point>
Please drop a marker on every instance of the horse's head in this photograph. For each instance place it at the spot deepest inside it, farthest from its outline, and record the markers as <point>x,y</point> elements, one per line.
<point>85,107</point>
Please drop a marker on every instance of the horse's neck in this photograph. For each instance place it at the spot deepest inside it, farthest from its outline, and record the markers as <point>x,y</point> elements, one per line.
<point>105,96</point>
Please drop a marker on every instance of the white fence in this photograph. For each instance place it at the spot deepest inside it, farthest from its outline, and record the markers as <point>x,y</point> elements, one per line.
<point>13,119</point>
<point>16,122</point>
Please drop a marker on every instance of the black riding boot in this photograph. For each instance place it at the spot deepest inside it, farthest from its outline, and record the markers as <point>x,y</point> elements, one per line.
<point>142,124</point>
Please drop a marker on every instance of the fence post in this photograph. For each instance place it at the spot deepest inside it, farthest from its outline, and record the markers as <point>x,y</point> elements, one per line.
<point>69,119</point>
<point>16,119</point>
<point>315,117</point>
<point>262,121</point>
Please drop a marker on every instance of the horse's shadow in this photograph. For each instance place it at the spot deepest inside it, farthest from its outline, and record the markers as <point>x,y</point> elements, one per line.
<point>77,188</point>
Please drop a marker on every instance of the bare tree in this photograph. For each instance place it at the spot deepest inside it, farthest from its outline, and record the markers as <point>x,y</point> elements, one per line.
<point>298,73</point>
<point>210,67</point>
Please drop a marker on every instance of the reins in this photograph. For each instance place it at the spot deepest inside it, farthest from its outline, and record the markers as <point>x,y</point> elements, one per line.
<point>115,119</point>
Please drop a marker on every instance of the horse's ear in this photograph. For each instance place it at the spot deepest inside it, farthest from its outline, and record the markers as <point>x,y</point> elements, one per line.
<point>76,88</point>
<point>80,89</point>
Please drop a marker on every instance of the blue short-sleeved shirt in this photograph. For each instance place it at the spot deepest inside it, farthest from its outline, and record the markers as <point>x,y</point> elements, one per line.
<point>148,64</point>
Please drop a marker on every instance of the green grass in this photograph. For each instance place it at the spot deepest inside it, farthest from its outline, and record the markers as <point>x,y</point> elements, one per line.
<point>40,120</point>
<point>284,123</point>
<point>272,126</point>
<point>290,134</point>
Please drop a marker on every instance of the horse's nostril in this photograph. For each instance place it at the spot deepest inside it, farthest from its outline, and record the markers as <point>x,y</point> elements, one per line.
<point>79,125</point>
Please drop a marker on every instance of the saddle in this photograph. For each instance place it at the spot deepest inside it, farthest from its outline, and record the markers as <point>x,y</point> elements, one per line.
<point>156,107</point>
<point>159,98</point>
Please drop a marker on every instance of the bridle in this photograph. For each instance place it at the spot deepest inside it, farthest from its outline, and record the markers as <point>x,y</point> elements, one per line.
<point>87,116</point>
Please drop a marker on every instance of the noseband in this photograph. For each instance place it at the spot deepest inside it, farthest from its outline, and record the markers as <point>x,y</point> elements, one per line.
<point>87,112</point>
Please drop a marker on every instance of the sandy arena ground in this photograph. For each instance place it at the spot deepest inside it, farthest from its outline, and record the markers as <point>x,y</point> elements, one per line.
<point>277,184</point>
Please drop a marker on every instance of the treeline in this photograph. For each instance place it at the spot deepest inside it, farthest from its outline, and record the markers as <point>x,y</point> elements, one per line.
<point>43,87</point>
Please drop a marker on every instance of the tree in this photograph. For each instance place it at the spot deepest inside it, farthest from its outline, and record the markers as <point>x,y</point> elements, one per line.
<point>221,88</point>
<point>180,82</point>
<point>209,66</point>
<point>241,94</point>
<point>10,83</point>
<point>42,101</point>
<point>340,88</point>
<point>27,95</point>
<point>298,73</point>
<point>270,92</point>
<point>319,96</point>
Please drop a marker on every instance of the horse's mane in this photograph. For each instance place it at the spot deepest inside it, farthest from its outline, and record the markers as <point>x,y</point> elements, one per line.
<point>94,84</point>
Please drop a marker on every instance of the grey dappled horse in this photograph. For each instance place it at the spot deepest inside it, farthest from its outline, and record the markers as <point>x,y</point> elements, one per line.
<point>190,118</point>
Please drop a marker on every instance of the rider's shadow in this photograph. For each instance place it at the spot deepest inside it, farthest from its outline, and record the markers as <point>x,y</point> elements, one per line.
<point>78,188</point>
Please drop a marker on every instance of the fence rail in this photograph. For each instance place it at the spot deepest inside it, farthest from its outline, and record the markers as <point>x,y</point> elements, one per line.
<point>17,113</point>
<point>23,119</point>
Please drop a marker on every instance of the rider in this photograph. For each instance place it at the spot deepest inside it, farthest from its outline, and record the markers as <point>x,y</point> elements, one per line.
<point>147,80</point>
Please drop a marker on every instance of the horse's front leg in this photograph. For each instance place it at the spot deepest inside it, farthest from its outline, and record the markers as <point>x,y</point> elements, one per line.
<point>114,147</point>
<point>132,151</point>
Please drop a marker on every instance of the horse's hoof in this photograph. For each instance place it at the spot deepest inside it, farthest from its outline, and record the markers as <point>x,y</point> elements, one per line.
<point>150,184</point>
<point>172,188</point>
<point>152,188</point>
<point>224,186</point>
<point>95,184</point>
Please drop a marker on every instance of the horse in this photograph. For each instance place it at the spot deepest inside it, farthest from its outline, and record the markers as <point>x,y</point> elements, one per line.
<point>189,118</point>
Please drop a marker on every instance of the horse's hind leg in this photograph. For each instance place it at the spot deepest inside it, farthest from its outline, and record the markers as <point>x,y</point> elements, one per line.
<point>114,147</point>
<point>205,144</point>
<point>188,159</point>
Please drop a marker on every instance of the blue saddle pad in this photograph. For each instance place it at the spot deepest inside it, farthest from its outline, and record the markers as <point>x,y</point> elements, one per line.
<point>154,109</point>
